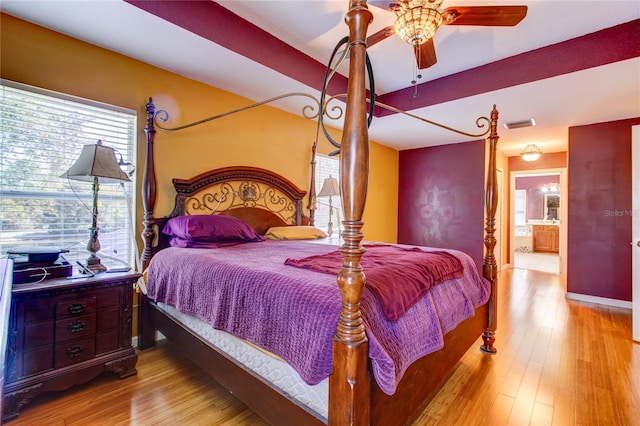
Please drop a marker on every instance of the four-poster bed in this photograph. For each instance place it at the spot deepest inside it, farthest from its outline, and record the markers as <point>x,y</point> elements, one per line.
<point>354,397</point>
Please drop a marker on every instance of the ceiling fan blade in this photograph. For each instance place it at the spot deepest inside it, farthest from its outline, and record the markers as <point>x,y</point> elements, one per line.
<point>380,35</point>
<point>425,54</point>
<point>376,37</point>
<point>498,16</point>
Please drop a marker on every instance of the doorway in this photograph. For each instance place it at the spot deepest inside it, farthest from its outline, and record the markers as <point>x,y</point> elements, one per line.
<point>539,228</point>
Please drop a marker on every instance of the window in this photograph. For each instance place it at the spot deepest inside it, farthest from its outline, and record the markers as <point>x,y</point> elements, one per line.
<point>520,213</point>
<point>42,135</point>
<point>520,209</point>
<point>327,166</point>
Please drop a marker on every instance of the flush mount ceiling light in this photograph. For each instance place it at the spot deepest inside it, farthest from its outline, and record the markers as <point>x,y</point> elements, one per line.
<point>530,152</point>
<point>520,124</point>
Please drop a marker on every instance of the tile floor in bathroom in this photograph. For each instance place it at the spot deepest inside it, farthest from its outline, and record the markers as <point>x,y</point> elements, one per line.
<point>545,262</point>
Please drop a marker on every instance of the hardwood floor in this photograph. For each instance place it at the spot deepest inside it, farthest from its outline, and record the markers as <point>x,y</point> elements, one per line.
<point>559,362</point>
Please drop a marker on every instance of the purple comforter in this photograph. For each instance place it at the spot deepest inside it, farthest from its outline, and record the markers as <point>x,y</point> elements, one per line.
<point>248,291</point>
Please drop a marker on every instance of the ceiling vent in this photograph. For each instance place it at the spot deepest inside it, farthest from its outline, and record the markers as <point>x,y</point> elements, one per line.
<point>520,124</point>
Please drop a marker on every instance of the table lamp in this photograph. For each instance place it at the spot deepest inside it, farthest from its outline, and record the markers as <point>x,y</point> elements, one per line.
<point>330,188</point>
<point>96,163</point>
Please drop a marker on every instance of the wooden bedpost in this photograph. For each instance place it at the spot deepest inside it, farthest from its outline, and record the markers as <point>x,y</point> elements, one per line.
<point>489,267</point>
<point>146,327</point>
<point>349,386</point>
<point>312,206</point>
<point>148,187</point>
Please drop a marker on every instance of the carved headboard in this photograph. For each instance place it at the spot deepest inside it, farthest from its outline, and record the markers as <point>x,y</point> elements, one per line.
<point>259,197</point>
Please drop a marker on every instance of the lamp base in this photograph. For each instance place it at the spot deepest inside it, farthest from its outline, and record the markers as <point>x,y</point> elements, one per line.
<point>94,264</point>
<point>93,246</point>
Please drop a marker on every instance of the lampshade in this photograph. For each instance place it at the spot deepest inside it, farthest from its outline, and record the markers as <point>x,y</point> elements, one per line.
<point>330,187</point>
<point>417,21</point>
<point>96,161</point>
<point>531,152</point>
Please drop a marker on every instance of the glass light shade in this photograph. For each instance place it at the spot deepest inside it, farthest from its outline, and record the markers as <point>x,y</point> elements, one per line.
<point>530,152</point>
<point>550,188</point>
<point>417,25</point>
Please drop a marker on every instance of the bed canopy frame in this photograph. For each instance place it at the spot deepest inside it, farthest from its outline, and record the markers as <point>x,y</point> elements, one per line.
<point>352,401</point>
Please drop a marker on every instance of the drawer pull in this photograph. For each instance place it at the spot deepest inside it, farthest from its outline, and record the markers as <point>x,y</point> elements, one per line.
<point>76,326</point>
<point>74,351</point>
<point>77,308</point>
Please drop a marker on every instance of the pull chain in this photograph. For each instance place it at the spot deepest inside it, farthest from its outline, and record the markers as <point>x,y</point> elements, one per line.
<point>416,71</point>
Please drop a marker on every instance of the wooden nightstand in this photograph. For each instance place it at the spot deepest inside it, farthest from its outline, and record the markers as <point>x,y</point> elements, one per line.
<point>65,332</point>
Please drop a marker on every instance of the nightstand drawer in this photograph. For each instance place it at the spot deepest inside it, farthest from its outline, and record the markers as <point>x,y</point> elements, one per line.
<point>76,307</point>
<point>75,351</point>
<point>107,298</point>
<point>108,318</point>
<point>75,327</point>
<point>34,312</point>
<point>37,360</point>
<point>38,334</point>
<point>107,342</point>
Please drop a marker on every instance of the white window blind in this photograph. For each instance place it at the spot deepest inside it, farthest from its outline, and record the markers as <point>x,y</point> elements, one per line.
<point>42,135</point>
<point>520,207</point>
<point>327,166</point>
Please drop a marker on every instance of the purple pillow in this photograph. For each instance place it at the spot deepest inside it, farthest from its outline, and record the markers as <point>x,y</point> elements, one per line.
<point>211,228</point>
<point>185,243</point>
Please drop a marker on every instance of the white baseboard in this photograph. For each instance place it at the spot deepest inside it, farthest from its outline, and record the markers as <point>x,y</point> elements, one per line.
<point>599,300</point>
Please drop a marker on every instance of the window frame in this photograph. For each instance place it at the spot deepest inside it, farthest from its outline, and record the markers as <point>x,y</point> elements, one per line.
<point>116,214</point>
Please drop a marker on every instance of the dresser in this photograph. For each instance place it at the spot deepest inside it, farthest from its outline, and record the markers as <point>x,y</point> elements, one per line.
<point>64,332</point>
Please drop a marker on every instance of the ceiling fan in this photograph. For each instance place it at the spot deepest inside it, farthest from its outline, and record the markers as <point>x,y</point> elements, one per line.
<point>418,20</point>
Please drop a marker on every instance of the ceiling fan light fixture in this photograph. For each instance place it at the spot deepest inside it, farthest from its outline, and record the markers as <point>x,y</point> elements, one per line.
<point>531,152</point>
<point>417,25</point>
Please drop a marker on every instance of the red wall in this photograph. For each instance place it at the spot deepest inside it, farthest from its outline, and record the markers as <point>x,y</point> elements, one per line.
<point>441,197</point>
<point>599,210</point>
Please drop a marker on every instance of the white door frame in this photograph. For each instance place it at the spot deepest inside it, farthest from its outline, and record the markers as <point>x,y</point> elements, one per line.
<point>563,211</point>
<point>635,230</point>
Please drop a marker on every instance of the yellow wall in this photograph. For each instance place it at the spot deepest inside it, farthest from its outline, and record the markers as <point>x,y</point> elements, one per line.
<point>262,137</point>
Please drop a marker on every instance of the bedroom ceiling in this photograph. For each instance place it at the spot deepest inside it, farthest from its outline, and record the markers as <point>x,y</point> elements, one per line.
<point>588,80</point>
